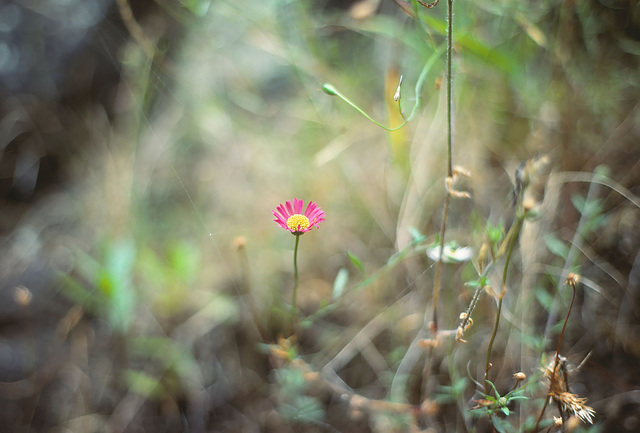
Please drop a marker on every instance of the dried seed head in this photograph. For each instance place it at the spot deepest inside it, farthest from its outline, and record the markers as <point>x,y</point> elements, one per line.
<point>312,376</point>
<point>458,170</point>
<point>572,279</point>
<point>426,343</point>
<point>429,407</point>
<point>239,242</point>
<point>22,296</point>
<point>519,376</point>
<point>483,257</point>
<point>576,405</point>
<point>531,208</point>
<point>449,183</point>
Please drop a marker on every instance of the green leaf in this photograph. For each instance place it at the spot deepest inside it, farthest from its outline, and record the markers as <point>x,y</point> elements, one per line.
<point>356,262</point>
<point>601,171</point>
<point>578,201</point>
<point>505,410</point>
<point>197,7</point>
<point>183,260</point>
<point>535,342</point>
<point>556,246</point>
<point>544,298</point>
<point>79,294</point>
<point>143,384</point>
<point>494,389</point>
<point>501,425</point>
<point>495,233</point>
<point>416,235</point>
<point>518,397</point>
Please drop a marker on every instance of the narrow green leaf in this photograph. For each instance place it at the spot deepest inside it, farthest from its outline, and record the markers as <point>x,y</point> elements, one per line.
<point>556,246</point>
<point>579,202</point>
<point>356,262</point>
<point>544,298</point>
<point>416,235</point>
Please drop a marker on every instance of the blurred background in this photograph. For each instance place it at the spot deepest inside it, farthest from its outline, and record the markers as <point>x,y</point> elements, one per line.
<point>144,144</point>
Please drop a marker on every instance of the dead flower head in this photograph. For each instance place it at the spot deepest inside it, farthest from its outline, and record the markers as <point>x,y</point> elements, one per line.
<point>558,391</point>
<point>576,405</point>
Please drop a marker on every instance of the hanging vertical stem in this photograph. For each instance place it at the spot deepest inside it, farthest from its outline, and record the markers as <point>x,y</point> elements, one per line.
<point>449,86</point>
<point>445,212</point>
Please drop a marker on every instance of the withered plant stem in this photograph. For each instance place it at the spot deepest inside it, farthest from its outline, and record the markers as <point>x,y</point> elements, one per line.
<point>556,361</point>
<point>512,240</point>
<point>438,275</point>
<point>449,87</point>
<point>445,212</point>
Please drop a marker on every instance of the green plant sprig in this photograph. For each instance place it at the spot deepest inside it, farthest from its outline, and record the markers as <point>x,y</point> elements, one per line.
<point>490,405</point>
<point>329,89</point>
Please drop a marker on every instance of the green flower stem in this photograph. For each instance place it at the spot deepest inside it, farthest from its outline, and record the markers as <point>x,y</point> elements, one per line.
<point>421,79</point>
<point>512,240</point>
<point>330,90</point>
<point>294,301</point>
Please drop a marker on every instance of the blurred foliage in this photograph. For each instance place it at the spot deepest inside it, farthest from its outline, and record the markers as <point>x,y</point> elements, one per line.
<point>147,176</point>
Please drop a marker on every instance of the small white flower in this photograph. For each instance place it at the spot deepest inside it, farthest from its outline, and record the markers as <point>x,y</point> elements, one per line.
<point>451,254</point>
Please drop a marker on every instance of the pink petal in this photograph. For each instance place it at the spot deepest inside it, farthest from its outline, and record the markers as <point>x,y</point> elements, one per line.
<point>310,208</point>
<point>289,208</point>
<point>297,205</point>
<point>285,212</point>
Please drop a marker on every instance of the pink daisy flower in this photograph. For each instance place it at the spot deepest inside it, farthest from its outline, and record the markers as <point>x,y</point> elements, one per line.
<point>290,217</point>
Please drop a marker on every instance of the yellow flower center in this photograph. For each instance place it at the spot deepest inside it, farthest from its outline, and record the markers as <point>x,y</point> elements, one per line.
<point>297,222</point>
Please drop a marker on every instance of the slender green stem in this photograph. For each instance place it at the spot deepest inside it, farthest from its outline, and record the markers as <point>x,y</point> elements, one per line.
<point>331,90</point>
<point>294,298</point>
<point>420,82</point>
<point>512,241</point>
